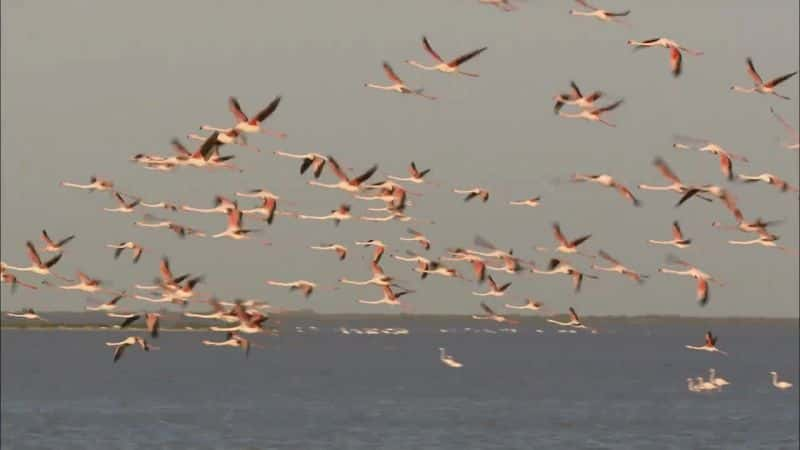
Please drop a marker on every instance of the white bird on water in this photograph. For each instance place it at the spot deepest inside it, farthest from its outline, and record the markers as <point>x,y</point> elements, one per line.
<point>448,359</point>
<point>783,385</point>
<point>719,381</point>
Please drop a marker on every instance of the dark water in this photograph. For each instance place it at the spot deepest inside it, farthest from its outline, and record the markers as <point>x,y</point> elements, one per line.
<point>623,388</point>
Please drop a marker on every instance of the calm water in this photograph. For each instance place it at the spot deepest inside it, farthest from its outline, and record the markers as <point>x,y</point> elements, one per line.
<point>623,388</point>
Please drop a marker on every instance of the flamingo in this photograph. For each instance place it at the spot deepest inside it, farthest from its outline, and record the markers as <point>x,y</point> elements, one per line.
<point>790,129</point>
<point>9,278</point>
<point>726,158</point>
<point>718,381</point>
<point>667,173</point>
<point>231,340</point>
<point>84,284</point>
<point>692,271</point>
<point>306,287</point>
<point>95,184</point>
<point>249,125</point>
<point>340,250</point>
<point>757,226</point>
<point>234,229</point>
<point>28,314</point>
<point>124,207</point>
<point>163,205</point>
<point>225,136</point>
<point>313,160</point>
<point>574,320</point>
<point>576,98</point>
<point>446,66</point>
<point>600,14</point>
<point>119,347</point>
<point>37,266</point>
<point>424,242</point>
<point>436,268</point>
<point>765,239</point>
<point>593,115</point>
<point>345,183</point>
<point>389,297</point>
<point>380,247</point>
<point>221,205</point>
<point>378,277</point>
<point>760,86</point>
<point>217,313</point>
<point>716,191</point>
<point>448,360</point>
<point>336,215</point>
<point>504,5</point>
<point>52,246</point>
<point>675,57</point>
<point>618,268</point>
<point>200,157</point>
<point>398,85</point>
<point>533,202</point>
<point>770,179</point>
<point>530,304</point>
<point>181,230</point>
<point>481,193</point>
<point>491,315</point>
<point>677,238</point>
<point>557,266</point>
<point>565,246</point>
<point>109,305</point>
<point>476,261</point>
<point>709,346</point>
<point>782,385</point>
<point>250,323</point>
<point>494,289</point>
<point>415,176</point>
<point>494,253</point>
<point>136,249</point>
<point>608,181</point>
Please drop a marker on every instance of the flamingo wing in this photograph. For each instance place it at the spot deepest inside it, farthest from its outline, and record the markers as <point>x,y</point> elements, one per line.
<point>776,81</point>
<point>751,70</point>
<point>266,112</point>
<point>466,57</point>
<point>430,50</point>
<point>337,170</point>
<point>390,73</point>
<point>236,110</point>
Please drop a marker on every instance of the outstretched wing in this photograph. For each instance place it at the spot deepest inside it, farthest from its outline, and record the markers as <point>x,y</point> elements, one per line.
<point>266,112</point>
<point>337,169</point>
<point>236,110</point>
<point>466,57</point>
<point>608,257</point>
<point>751,70</point>
<point>776,81</point>
<point>390,73</point>
<point>430,49</point>
<point>666,172</point>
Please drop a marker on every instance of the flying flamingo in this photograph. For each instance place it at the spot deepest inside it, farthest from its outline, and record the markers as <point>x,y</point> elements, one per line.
<point>565,246</point>
<point>576,98</point>
<point>504,5</point>
<point>765,239</point>
<point>306,287</point>
<point>378,277</point>
<point>533,202</point>
<point>313,160</point>
<point>769,178</point>
<point>424,242</point>
<point>416,176</point>
<point>667,173</point>
<point>675,57</point>
<point>337,215</point>
<point>709,346</point>
<point>491,315</point>
<point>380,247</point>
<point>9,278</point>
<point>250,323</point>
<point>28,314</point>
<point>229,136</point>
<point>436,268</point>
<point>618,268</point>
<point>677,238</point>
<point>600,14</point>
<point>181,230</point>
<point>481,193</point>
<point>759,85</point>
<point>119,347</point>
<point>95,184</point>
<point>37,266</point>
<point>163,205</point>
<point>52,246</point>
<point>726,158</point>
<point>593,115</point>
<point>574,320</point>
<point>234,229</point>
<point>109,305</point>
<point>557,266</point>
<point>249,125</point>
<point>345,183</point>
<point>84,284</point>
<point>607,181</point>
<point>340,250</point>
<point>530,304</point>
<point>448,360</point>
<point>398,85</point>
<point>221,205</point>
<point>494,289</point>
<point>389,297</point>
<point>446,66</point>
<point>136,249</point>
<point>782,385</point>
<point>692,271</point>
<point>124,207</point>
<point>790,129</point>
<point>231,340</point>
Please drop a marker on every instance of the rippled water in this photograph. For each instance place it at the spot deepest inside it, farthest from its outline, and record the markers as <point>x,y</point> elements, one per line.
<point>623,388</point>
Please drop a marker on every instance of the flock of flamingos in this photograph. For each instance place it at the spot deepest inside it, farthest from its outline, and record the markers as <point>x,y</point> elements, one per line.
<point>240,318</point>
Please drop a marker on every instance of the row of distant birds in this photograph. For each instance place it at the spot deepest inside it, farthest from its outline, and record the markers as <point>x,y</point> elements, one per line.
<point>715,383</point>
<point>250,316</point>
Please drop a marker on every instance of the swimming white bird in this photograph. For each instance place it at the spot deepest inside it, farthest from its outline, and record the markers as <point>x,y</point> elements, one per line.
<point>607,181</point>
<point>530,304</point>
<point>692,271</point>
<point>703,385</point>
<point>119,347</point>
<point>675,57</point>
<point>446,66</point>
<point>599,14</point>
<point>448,360</point>
<point>491,315</point>
<point>760,86</point>
<point>119,248</point>
<point>389,297</point>
<point>345,183</point>
<point>783,385</point>
<point>790,129</point>
<point>692,386</point>
<point>398,86</point>
<point>557,266</point>
<point>574,320</point>
<point>340,250</point>
<point>719,381</point>
<point>415,176</point>
<point>52,246</point>
<point>313,160</point>
<point>677,238</point>
<point>95,184</point>
<point>593,115</point>
<point>618,268</point>
<point>28,314</point>
<point>709,346</point>
<point>533,202</point>
<point>769,178</point>
<point>37,266</point>
<point>576,98</point>
<point>124,207</point>
<point>231,340</point>
<point>481,193</point>
<point>494,289</point>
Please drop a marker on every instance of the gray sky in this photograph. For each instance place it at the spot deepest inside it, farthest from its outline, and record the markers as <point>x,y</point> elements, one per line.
<point>86,84</point>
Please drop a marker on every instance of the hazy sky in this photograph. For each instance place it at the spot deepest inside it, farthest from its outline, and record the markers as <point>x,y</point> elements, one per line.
<point>87,84</point>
